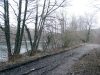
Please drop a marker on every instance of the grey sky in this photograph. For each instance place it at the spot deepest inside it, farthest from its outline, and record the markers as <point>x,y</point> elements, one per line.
<point>83,7</point>
<point>77,8</point>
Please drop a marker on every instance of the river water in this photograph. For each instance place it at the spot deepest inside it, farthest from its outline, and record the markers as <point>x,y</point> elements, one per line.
<point>3,50</point>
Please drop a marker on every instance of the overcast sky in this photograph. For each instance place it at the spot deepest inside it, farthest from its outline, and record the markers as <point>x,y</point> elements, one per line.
<point>81,7</point>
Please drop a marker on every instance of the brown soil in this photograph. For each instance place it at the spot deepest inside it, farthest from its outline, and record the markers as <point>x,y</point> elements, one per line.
<point>88,65</point>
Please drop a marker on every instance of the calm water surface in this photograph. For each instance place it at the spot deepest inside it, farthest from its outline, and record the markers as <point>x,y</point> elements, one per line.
<point>3,51</point>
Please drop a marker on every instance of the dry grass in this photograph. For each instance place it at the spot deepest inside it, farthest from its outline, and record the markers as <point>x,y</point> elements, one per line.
<point>89,65</point>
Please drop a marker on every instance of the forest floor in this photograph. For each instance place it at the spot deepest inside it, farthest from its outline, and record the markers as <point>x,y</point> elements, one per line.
<point>88,65</point>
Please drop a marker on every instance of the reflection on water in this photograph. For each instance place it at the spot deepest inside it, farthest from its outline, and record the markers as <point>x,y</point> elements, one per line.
<point>3,51</point>
<point>3,55</point>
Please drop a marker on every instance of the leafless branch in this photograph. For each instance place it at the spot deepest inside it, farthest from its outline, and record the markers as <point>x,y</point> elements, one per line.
<point>13,10</point>
<point>16,2</point>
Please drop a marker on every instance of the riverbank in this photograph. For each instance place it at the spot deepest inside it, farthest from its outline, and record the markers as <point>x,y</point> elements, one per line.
<point>39,55</point>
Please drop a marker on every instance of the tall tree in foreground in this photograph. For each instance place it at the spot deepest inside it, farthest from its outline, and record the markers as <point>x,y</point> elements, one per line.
<point>7,27</point>
<point>20,27</point>
<point>47,8</point>
<point>16,51</point>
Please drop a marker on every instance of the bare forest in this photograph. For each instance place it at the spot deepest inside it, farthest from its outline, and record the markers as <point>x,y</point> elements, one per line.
<point>30,28</point>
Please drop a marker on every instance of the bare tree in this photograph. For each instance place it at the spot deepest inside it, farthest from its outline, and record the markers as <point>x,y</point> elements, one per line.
<point>39,18</point>
<point>85,24</point>
<point>39,26</point>
<point>23,25</point>
<point>7,27</point>
<point>16,51</point>
<point>89,22</point>
<point>20,30</point>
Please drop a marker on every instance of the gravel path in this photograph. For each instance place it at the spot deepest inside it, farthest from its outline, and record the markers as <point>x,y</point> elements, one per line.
<point>58,64</point>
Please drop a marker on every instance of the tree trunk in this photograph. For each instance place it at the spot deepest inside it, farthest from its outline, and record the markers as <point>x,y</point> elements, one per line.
<point>16,51</point>
<point>23,25</point>
<point>7,27</point>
